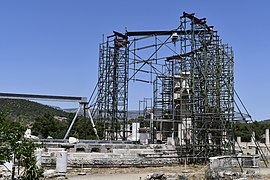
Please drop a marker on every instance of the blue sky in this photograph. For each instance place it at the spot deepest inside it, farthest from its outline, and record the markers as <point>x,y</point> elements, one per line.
<point>51,47</point>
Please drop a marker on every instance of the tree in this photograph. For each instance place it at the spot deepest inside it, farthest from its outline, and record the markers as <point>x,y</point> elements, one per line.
<point>83,129</point>
<point>46,125</point>
<point>26,158</point>
<point>14,147</point>
<point>242,129</point>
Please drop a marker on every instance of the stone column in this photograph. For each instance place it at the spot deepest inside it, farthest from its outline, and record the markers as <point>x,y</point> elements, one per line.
<point>152,127</point>
<point>253,138</point>
<point>210,138</point>
<point>128,130</point>
<point>135,131</point>
<point>61,162</point>
<point>238,139</point>
<point>38,155</point>
<point>267,136</point>
<point>181,131</point>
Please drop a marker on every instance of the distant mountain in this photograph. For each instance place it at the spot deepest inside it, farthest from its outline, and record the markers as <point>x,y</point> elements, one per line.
<point>132,114</point>
<point>71,110</point>
<point>25,110</point>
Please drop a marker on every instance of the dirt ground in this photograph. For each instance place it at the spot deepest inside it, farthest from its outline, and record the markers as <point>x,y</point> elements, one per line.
<point>193,172</point>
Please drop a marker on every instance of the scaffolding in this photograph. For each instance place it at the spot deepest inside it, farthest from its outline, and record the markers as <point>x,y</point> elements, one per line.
<point>112,101</point>
<point>191,73</point>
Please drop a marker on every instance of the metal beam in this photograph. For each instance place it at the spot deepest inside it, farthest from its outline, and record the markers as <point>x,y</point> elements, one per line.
<point>160,33</point>
<point>72,123</point>
<point>43,97</point>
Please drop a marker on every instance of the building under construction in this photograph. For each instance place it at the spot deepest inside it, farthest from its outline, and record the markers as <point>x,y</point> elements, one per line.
<point>191,73</point>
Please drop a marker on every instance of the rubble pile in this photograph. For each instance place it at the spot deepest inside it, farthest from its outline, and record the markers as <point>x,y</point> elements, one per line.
<point>228,174</point>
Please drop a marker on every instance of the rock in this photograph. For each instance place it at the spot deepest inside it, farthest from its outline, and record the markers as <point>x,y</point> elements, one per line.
<point>73,140</point>
<point>228,173</point>
<point>5,175</point>
<point>154,176</point>
<point>250,171</point>
<point>81,173</point>
<point>186,171</point>
<point>221,174</point>
<point>28,135</point>
<point>49,173</point>
<point>169,177</point>
<point>211,174</point>
<point>148,176</point>
<point>182,177</point>
<point>157,175</point>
